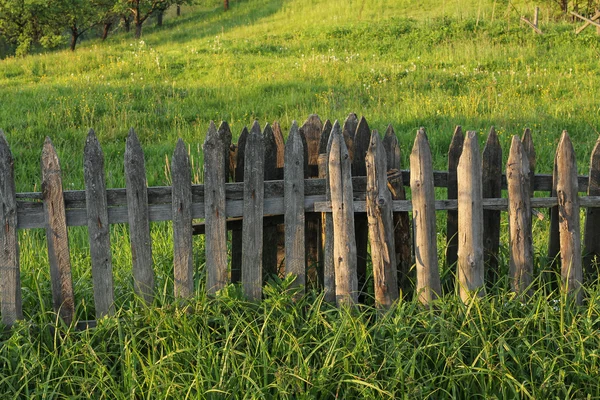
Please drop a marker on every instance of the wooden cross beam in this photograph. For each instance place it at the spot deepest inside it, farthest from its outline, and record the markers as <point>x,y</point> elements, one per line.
<point>588,21</point>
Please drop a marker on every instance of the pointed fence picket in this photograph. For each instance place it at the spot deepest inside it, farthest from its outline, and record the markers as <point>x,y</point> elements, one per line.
<point>278,203</point>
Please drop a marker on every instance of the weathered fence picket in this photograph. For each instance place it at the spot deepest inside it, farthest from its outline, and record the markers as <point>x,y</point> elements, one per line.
<point>591,257</point>
<point>236,234</point>
<point>491,170</point>
<point>362,138</point>
<point>454,152</point>
<point>327,218</point>
<point>56,234</point>
<point>98,226</point>
<point>529,148</point>
<point>270,266</point>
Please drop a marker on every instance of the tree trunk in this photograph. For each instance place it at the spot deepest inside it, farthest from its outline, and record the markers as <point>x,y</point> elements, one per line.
<point>107,27</point>
<point>74,36</point>
<point>127,23</point>
<point>159,18</point>
<point>226,4</point>
<point>178,10</point>
<point>138,29</point>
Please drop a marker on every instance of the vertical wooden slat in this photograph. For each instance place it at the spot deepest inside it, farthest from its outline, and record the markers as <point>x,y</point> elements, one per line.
<point>98,227</point>
<point>519,215</point>
<point>591,259</point>
<point>349,130</point>
<point>344,247</point>
<point>139,225</point>
<point>56,234</point>
<point>454,152</point>
<point>327,218</point>
<point>402,231</point>
<point>183,269</point>
<point>529,147</point>
<point>252,228</point>
<point>311,134</point>
<point>270,232</point>
<point>294,207</point>
<point>423,201</point>
<point>236,235</point>
<point>280,146</point>
<point>381,224</point>
<point>491,168</point>
<point>224,133</point>
<point>361,141</point>
<point>214,209</point>
<point>470,268</point>
<point>10,276</point>
<point>568,212</point>
<point>554,236</point>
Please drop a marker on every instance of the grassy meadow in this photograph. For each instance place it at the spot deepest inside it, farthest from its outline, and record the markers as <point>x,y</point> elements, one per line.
<point>405,63</point>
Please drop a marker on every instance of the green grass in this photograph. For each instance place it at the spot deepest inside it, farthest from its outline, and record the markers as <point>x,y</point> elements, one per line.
<point>407,63</point>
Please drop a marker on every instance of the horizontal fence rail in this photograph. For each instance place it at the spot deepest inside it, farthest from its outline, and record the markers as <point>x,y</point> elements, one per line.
<point>309,206</point>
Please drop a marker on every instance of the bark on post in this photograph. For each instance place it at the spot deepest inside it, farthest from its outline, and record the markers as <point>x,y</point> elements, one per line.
<point>139,225</point>
<point>56,234</point>
<point>454,152</point>
<point>423,201</point>
<point>98,227</point>
<point>10,275</point>
<point>470,213</point>
<point>568,214</point>
<point>491,167</point>
<point>252,228</point>
<point>344,248</point>
<point>294,207</point>
<point>519,215</point>
<point>591,252</point>
<point>381,225</point>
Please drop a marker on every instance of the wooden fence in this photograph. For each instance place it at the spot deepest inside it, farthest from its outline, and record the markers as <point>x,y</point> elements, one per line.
<point>309,207</point>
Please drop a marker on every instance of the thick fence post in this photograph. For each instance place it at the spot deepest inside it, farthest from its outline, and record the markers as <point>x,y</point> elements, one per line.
<point>236,234</point>
<point>470,268</point>
<point>98,227</point>
<point>327,218</point>
<point>270,266</point>
<point>454,152</point>
<point>342,203</point>
<point>519,215</point>
<point>381,224</point>
<point>402,232</point>
<point>423,201</point>
<point>294,207</point>
<point>592,218</point>
<point>252,228</point>
<point>139,225</point>
<point>568,212</point>
<point>181,203</point>
<point>10,279</point>
<point>56,234</point>
<point>491,168</point>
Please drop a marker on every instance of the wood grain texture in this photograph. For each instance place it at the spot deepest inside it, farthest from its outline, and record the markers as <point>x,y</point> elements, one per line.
<point>360,145</point>
<point>327,218</point>
<point>470,268</point>
<point>10,273</point>
<point>491,169</point>
<point>591,251</point>
<point>519,215</point>
<point>236,235</point>
<point>181,206</point>
<point>402,229</point>
<point>252,229</point>
<point>344,247</point>
<point>139,223</point>
<point>568,218</point>
<point>98,226</point>
<point>63,299</point>
<point>454,152</point>
<point>423,202</point>
<point>381,224</point>
<point>294,207</point>
<point>270,266</point>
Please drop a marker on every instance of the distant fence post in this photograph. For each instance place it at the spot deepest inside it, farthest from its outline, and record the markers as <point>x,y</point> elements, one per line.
<point>10,275</point>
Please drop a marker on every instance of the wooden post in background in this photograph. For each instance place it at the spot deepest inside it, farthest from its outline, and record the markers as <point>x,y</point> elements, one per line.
<point>454,152</point>
<point>529,148</point>
<point>423,201</point>
<point>280,146</point>
<point>491,168</point>
<point>10,275</point>
<point>270,230</point>
<point>342,203</point>
<point>554,236</point>
<point>252,229</point>
<point>402,230</point>
<point>381,224</point>
<point>568,211</point>
<point>470,268</point>
<point>327,218</point>
<point>294,207</point>
<point>519,214</point>
<point>139,225</point>
<point>591,260</point>
<point>98,227</point>
<point>236,234</point>
<point>56,234</point>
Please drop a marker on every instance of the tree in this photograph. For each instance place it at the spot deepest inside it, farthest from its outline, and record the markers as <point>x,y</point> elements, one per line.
<point>81,15</point>
<point>140,10</point>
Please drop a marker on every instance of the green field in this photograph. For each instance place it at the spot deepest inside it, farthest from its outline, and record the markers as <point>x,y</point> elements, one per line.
<point>405,63</point>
